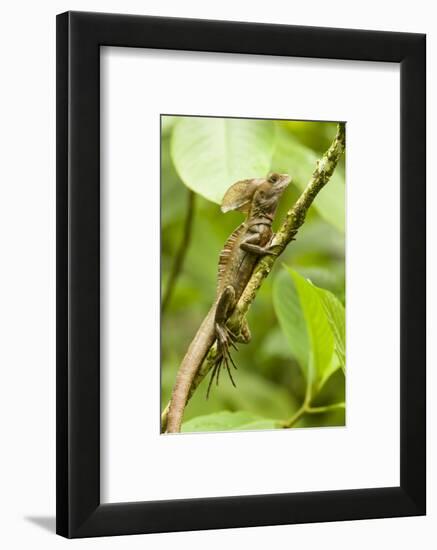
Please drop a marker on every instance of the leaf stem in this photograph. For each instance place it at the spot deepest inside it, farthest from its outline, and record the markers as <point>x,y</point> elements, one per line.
<point>307,409</point>
<point>326,408</point>
<point>293,420</point>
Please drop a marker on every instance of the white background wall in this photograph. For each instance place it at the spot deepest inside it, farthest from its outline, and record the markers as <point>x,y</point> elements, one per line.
<point>27,273</point>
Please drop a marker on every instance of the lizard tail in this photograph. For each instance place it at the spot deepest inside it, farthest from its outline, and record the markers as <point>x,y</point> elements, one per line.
<point>191,363</point>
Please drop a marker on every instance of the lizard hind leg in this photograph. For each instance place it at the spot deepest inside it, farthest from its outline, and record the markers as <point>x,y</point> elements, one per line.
<point>225,337</point>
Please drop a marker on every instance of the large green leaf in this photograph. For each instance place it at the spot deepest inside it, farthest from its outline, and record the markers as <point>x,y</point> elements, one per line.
<point>228,421</point>
<point>321,351</point>
<point>303,319</point>
<point>334,310</point>
<point>294,158</point>
<point>210,154</point>
<point>289,312</point>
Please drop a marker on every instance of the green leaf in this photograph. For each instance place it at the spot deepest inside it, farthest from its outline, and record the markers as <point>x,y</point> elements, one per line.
<point>304,321</point>
<point>210,154</point>
<point>299,161</point>
<point>167,123</point>
<point>289,312</point>
<point>262,424</point>
<point>334,310</point>
<point>228,421</point>
<point>320,363</point>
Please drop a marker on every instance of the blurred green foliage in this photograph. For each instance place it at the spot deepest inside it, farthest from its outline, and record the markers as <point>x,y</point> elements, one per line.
<point>297,352</point>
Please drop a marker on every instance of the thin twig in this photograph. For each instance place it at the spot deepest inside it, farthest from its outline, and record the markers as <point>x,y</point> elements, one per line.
<point>181,253</point>
<point>326,408</point>
<point>293,221</point>
<point>307,409</point>
<point>295,418</point>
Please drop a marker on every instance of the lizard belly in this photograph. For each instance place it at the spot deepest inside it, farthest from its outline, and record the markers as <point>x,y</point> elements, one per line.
<point>244,272</point>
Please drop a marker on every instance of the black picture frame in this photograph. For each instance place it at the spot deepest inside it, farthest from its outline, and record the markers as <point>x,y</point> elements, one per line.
<point>79,511</point>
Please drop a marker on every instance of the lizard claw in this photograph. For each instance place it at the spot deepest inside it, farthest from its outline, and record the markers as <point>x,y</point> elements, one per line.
<point>225,339</point>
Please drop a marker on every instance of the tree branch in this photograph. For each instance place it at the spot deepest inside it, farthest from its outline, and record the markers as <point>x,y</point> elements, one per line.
<point>181,253</point>
<point>293,221</point>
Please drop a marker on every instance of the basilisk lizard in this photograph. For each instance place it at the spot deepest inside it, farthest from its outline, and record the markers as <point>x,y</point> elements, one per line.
<point>258,198</point>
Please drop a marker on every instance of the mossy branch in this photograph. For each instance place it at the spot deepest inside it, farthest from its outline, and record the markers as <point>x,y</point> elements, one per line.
<point>293,221</point>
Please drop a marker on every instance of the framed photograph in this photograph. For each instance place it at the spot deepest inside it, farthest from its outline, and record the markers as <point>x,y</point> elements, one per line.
<point>240,274</point>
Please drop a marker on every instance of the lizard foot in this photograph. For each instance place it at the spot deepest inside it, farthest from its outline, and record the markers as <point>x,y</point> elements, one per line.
<point>225,339</point>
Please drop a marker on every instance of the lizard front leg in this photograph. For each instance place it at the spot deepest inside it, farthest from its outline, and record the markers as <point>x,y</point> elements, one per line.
<point>251,244</point>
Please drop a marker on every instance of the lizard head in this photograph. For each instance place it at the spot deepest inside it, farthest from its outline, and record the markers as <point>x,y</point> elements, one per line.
<point>261,191</point>
<point>268,193</point>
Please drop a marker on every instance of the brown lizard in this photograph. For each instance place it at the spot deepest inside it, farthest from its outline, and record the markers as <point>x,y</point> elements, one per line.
<point>258,198</point>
